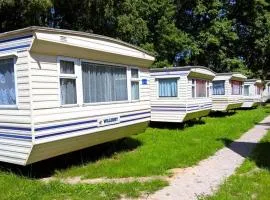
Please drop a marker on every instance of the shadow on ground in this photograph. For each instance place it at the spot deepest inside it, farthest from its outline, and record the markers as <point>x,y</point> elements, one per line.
<point>258,152</point>
<point>48,167</point>
<point>252,108</point>
<point>175,125</point>
<point>219,114</point>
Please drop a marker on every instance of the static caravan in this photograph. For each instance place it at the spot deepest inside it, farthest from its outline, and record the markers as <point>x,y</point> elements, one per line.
<point>252,93</point>
<point>65,90</point>
<point>179,94</point>
<point>227,91</point>
<point>266,91</point>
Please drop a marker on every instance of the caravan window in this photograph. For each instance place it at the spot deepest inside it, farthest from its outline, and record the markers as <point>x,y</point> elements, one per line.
<point>246,90</point>
<point>103,83</point>
<point>167,87</point>
<point>218,87</point>
<point>200,88</point>
<point>68,82</point>
<point>236,87</point>
<point>258,90</point>
<point>135,95</point>
<point>7,82</point>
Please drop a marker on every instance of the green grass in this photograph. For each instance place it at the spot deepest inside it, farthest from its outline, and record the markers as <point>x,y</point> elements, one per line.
<point>15,187</point>
<point>151,153</point>
<point>161,149</point>
<point>252,179</point>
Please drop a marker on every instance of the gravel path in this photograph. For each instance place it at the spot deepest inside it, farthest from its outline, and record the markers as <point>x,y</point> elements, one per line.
<point>204,179</point>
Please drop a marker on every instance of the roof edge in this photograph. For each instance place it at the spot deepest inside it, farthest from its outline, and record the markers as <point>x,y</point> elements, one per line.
<point>187,67</point>
<point>72,32</point>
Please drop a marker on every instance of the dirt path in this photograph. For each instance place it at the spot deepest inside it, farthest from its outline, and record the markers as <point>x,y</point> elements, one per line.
<point>203,179</point>
<point>79,180</point>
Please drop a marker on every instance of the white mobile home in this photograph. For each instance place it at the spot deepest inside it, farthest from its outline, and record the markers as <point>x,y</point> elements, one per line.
<point>181,93</point>
<point>64,90</point>
<point>266,91</point>
<point>252,93</point>
<point>227,91</point>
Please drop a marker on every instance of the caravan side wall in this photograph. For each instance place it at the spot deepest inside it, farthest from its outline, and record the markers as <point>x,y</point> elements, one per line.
<point>15,120</point>
<point>169,109</point>
<point>226,101</point>
<point>60,129</point>
<point>181,108</point>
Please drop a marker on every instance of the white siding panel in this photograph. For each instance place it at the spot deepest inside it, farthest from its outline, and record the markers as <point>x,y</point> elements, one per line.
<point>15,129</point>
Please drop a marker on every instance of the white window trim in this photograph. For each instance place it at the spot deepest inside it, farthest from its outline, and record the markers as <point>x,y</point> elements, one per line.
<point>157,87</point>
<point>75,76</point>
<point>15,106</point>
<point>135,80</point>
<point>128,71</point>
<point>207,84</point>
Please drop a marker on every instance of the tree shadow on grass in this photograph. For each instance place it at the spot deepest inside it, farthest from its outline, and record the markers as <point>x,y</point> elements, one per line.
<point>47,168</point>
<point>175,125</point>
<point>219,114</point>
<point>258,152</point>
<point>251,108</point>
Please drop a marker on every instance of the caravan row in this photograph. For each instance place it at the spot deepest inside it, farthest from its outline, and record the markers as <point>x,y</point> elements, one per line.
<point>62,91</point>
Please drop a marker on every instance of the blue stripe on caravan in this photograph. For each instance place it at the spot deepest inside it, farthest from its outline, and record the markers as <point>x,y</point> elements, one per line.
<point>15,128</point>
<point>16,38</point>
<point>130,115</point>
<point>65,125</point>
<point>82,129</point>
<point>16,136</point>
<point>16,47</point>
<point>65,132</point>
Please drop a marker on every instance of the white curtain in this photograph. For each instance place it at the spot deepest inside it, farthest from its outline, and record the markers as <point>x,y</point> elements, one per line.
<point>103,83</point>
<point>168,87</point>
<point>218,87</point>
<point>134,90</point>
<point>7,82</point>
<point>68,91</point>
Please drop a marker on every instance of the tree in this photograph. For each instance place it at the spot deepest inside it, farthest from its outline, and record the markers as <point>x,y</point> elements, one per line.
<point>16,14</point>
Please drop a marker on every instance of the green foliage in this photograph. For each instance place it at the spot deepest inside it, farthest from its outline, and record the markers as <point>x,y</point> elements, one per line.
<point>224,35</point>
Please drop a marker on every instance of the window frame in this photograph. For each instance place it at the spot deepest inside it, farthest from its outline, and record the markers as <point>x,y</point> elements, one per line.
<point>74,76</point>
<point>128,72</point>
<point>137,80</point>
<point>193,85</point>
<point>177,84</point>
<point>14,106</point>
<point>240,87</point>
<point>248,86</point>
<point>224,83</point>
<point>258,91</point>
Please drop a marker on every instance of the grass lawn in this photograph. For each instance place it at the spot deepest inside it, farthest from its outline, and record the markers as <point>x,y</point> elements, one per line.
<point>151,153</point>
<point>252,179</point>
<point>160,149</point>
<point>15,187</point>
